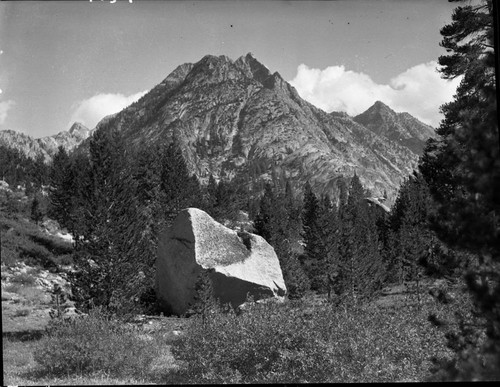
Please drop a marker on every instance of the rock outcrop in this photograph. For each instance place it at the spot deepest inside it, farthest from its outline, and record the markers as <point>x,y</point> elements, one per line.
<point>241,263</point>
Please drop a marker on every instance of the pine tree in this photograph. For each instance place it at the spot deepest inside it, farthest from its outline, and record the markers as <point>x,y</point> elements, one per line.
<point>204,300</point>
<point>62,189</point>
<point>178,188</point>
<point>80,191</point>
<point>58,299</point>
<point>361,269</point>
<point>462,166</point>
<point>264,223</point>
<point>39,173</point>
<point>315,252</point>
<point>104,210</point>
<point>36,212</point>
<point>294,221</point>
<point>277,222</point>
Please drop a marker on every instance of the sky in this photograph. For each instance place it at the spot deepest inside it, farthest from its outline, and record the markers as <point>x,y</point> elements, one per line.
<point>67,61</point>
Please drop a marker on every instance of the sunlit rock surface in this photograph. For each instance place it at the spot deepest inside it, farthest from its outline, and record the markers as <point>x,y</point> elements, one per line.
<point>243,263</point>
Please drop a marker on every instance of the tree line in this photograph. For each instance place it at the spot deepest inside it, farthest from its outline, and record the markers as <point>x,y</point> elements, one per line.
<point>115,200</point>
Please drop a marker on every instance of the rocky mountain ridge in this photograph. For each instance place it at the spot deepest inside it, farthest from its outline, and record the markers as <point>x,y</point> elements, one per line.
<point>237,118</point>
<point>232,117</point>
<point>402,128</point>
<point>45,146</point>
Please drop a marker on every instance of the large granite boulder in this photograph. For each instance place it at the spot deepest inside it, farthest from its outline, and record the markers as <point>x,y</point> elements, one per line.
<point>241,263</point>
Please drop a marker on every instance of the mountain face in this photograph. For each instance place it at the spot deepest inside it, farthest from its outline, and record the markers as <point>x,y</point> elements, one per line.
<point>45,146</point>
<point>397,127</point>
<point>238,118</point>
<point>232,117</point>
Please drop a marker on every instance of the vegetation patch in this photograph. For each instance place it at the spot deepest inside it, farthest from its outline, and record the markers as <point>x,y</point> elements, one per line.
<point>22,312</point>
<point>294,343</point>
<point>22,241</point>
<point>12,288</point>
<point>20,369</point>
<point>23,279</point>
<point>96,344</point>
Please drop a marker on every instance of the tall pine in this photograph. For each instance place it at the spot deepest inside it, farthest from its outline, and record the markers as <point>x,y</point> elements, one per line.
<point>361,268</point>
<point>462,168</point>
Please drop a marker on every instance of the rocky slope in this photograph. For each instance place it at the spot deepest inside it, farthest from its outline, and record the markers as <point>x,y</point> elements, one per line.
<point>401,128</point>
<point>45,146</point>
<point>235,117</point>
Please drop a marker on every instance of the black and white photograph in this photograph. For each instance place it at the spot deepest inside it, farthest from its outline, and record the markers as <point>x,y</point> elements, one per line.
<point>240,192</point>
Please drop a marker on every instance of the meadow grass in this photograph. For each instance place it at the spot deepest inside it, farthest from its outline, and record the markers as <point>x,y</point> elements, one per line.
<point>297,343</point>
<point>20,369</point>
<point>300,341</point>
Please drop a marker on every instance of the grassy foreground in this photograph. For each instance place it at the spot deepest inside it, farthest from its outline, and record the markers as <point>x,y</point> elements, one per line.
<point>89,351</point>
<point>295,342</point>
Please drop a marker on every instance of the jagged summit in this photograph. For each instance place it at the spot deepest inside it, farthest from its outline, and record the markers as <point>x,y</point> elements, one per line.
<point>238,118</point>
<point>253,68</point>
<point>79,129</point>
<point>378,110</point>
<point>380,105</point>
<point>399,127</point>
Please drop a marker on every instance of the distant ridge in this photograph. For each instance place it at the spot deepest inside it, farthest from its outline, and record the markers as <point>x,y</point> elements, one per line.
<point>399,127</point>
<point>45,146</point>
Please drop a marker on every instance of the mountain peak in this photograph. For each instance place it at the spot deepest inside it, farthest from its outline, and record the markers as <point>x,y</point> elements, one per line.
<point>398,127</point>
<point>379,105</point>
<point>253,68</point>
<point>78,128</point>
<point>237,117</point>
<point>209,58</point>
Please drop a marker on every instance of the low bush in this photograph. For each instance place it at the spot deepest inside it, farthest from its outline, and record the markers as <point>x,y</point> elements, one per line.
<point>23,279</point>
<point>8,257</point>
<point>32,295</point>
<point>55,245</point>
<point>22,312</point>
<point>296,343</point>
<point>63,260</point>
<point>23,241</point>
<point>12,288</point>
<point>94,344</point>
<point>13,203</point>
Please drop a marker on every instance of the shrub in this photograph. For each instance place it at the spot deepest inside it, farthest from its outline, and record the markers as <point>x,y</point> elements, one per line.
<point>53,244</point>
<point>22,312</point>
<point>33,270</point>
<point>23,241</point>
<point>37,255</point>
<point>296,343</point>
<point>94,344</point>
<point>66,259</point>
<point>23,279</point>
<point>8,257</point>
<point>32,295</point>
<point>12,288</point>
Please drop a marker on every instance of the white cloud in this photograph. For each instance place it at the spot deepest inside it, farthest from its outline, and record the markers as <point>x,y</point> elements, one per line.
<point>5,106</point>
<point>90,111</point>
<point>419,90</point>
